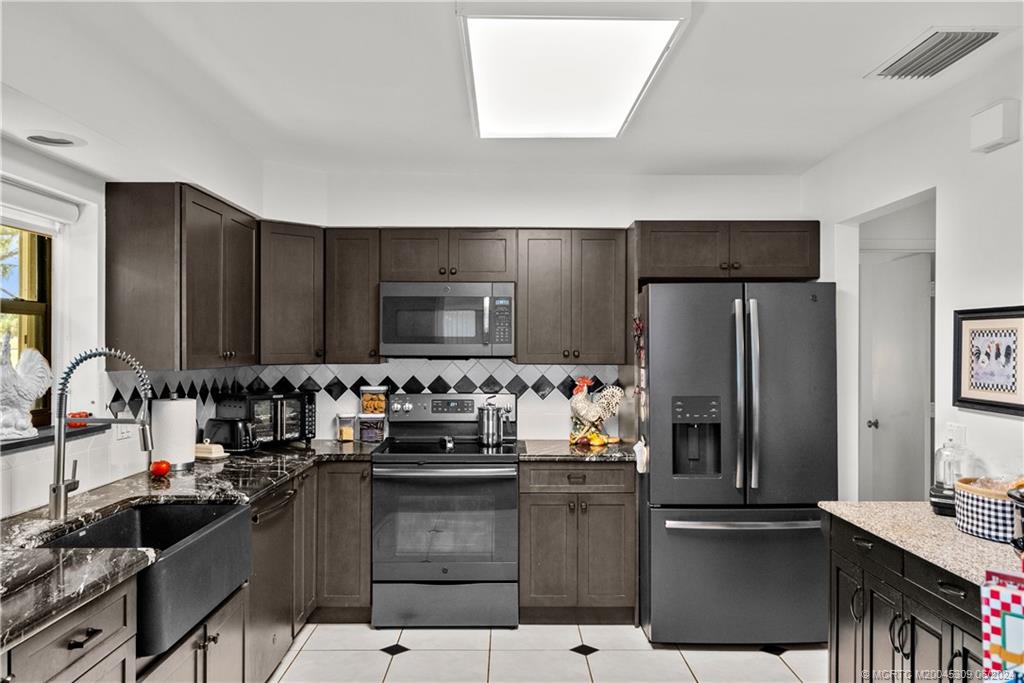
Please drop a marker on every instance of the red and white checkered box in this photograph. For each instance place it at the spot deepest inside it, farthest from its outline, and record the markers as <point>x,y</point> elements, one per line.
<point>1002,625</point>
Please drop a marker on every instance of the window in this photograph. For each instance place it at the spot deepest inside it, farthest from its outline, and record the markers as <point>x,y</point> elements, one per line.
<point>25,303</point>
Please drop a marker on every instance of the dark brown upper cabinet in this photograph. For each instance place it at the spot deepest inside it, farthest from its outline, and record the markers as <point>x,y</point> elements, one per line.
<point>736,250</point>
<point>442,255</point>
<point>571,296</point>
<point>181,274</point>
<point>352,302</point>
<point>292,293</point>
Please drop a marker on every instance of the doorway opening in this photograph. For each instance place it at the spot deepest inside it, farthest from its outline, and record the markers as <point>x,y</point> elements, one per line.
<point>897,341</point>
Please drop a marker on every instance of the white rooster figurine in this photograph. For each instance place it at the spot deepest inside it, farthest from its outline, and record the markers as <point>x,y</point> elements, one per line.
<point>588,415</point>
<point>19,389</point>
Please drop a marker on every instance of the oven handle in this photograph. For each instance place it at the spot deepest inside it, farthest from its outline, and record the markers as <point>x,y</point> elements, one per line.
<point>743,526</point>
<point>448,473</point>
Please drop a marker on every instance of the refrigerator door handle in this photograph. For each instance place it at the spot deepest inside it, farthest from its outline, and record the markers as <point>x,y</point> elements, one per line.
<point>743,526</point>
<point>741,407</point>
<point>755,394</point>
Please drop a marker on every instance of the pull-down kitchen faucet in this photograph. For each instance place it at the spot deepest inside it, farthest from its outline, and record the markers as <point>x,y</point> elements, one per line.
<point>61,487</point>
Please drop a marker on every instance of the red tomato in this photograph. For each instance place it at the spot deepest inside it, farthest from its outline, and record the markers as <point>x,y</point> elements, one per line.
<point>160,468</point>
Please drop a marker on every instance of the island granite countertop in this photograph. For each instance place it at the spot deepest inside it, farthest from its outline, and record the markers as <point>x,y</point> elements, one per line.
<point>913,527</point>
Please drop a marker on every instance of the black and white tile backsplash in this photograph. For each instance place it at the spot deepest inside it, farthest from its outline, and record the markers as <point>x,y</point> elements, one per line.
<point>543,390</point>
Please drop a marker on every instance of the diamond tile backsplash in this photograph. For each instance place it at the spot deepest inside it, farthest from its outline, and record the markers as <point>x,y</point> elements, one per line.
<point>543,390</point>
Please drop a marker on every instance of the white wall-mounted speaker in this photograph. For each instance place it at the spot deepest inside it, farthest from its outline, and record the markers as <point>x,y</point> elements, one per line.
<point>995,126</point>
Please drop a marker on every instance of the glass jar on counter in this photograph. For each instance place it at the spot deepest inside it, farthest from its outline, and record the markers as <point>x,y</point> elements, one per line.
<point>371,429</point>
<point>953,461</point>
<point>347,425</point>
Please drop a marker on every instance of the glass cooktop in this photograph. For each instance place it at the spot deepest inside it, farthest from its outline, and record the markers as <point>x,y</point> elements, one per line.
<point>436,450</point>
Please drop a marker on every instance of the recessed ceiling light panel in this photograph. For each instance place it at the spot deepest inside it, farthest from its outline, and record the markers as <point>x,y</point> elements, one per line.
<point>561,77</point>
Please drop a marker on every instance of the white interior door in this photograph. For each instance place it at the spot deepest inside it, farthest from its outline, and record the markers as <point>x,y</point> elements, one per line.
<point>896,351</point>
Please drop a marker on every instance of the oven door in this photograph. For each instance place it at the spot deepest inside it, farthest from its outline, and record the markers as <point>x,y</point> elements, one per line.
<point>445,523</point>
<point>289,418</point>
<point>263,414</point>
<point>435,319</point>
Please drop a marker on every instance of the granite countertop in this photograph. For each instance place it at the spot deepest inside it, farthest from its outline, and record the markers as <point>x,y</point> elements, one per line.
<point>557,450</point>
<point>913,527</point>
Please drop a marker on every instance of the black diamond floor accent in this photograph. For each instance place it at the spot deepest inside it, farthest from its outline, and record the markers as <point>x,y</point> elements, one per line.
<point>490,385</point>
<point>773,649</point>
<point>584,650</point>
<point>395,649</point>
<point>567,386</point>
<point>335,388</point>
<point>413,386</point>
<point>439,386</point>
<point>517,386</point>
<point>542,387</point>
<point>465,385</point>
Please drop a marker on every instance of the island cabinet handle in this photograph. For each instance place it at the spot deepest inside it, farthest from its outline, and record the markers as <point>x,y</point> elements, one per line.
<point>576,478</point>
<point>950,672</point>
<point>905,647</point>
<point>90,634</point>
<point>950,589</point>
<point>892,633</point>
<point>853,603</point>
<point>863,542</point>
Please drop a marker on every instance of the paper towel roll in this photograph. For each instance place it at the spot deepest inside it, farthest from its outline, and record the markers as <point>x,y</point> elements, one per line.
<point>174,430</point>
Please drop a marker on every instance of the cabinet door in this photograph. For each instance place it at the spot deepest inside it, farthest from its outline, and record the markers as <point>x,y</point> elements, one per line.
<point>846,614</point>
<point>304,536</point>
<point>241,290</point>
<point>607,550</point>
<point>548,550</point>
<point>185,663</point>
<point>544,297</point>
<point>925,641</point>
<point>684,250</point>
<point>966,662</point>
<point>482,255</point>
<point>774,250</point>
<point>291,293</point>
<point>343,534</point>
<point>882,618</point>
<point>225,630</point>
<point>351,295</point>
<point>599,296</point>
<point>414,254</point>
<point>117,667</point>
<point>202,233</point>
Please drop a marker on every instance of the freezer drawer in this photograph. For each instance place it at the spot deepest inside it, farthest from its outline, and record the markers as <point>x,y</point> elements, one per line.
<point>737,576</point>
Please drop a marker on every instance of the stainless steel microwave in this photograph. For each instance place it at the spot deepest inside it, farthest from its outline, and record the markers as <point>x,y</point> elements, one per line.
<point>439,319</point>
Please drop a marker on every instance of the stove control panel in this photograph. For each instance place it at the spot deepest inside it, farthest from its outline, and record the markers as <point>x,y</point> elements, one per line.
<point>444,407</point>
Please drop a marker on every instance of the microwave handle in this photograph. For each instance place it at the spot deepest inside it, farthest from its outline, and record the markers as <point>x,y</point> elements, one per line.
<point>487,320</point>
<point>278,419</point>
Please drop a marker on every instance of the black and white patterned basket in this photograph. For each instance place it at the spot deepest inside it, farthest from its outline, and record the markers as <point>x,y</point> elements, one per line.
<point>982,512</point>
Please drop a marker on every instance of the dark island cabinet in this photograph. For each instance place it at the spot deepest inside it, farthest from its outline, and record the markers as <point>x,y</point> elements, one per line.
<point>291,293</point>
<point>343,541</point>
<point>448,254</point>
<point>181,278</point>
<point>887,622</point>
<point>734,250</point>
<point>571,296</point>
<point>351,294</point>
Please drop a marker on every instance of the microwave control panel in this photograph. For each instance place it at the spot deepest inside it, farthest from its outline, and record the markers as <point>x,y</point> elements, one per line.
<point>502,320</point>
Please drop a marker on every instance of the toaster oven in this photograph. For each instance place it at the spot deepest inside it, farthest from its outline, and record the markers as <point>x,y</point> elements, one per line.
<point>273,417</point>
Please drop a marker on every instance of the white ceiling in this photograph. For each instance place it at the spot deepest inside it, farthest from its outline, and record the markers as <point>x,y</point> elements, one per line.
<point>751,87</point>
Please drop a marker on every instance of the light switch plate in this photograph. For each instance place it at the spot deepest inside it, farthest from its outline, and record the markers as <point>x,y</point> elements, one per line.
<point>957,433</point>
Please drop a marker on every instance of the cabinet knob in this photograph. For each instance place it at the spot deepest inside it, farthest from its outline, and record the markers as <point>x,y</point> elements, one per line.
<point>565,353</point>
<point>442,270</point>
<point>724,265</point>
<point>373,353</point>
<point>735,265</point>
<point>583,506</point>
<point>453,271</point>
<point>365,474</point>
<point>576,353</point>
<point>572,506</point>
<point>319,353</point>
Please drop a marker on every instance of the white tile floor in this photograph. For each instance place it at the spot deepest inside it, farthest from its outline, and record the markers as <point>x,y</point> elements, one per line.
<point>532,654</point>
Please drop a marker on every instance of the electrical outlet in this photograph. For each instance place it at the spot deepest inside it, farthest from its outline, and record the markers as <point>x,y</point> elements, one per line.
<point>957,433</point>
<point>122,432</point>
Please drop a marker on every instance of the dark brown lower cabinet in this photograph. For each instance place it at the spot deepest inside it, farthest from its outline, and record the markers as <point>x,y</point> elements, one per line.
<point>183,664</point>
<point>577,556</point>
<point>117,667</point>
<point>343,541</point>
<point>885,623</point>
<point>304,551</point>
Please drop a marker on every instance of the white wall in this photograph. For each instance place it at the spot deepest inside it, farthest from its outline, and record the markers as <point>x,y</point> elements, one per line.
<point>78,325</point>
<point>899,229</point>
<point>978,233</point>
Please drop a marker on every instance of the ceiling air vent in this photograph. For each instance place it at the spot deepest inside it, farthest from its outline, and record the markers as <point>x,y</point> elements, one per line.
<point>935,51</point>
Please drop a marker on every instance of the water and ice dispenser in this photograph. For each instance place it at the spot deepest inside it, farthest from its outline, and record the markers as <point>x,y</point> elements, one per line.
<point>696,436</point>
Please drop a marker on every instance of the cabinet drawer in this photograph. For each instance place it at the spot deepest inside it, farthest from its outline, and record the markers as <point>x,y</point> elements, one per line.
<point>949,587</point>
<point>859,545</point>
<point>591,478</point>
<point>79,640</point>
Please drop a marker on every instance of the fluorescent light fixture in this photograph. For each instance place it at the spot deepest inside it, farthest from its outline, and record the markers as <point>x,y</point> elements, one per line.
<point>562,77</point>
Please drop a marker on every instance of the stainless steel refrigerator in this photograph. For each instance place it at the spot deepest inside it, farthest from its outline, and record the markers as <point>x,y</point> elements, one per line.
<point>740,418</point>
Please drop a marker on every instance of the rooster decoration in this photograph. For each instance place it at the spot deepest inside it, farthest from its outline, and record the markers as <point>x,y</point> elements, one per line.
<point>589,413</point>
<point>19,389</point>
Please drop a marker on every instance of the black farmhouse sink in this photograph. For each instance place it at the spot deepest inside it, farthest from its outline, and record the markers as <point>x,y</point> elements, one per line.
<point>204,553</point>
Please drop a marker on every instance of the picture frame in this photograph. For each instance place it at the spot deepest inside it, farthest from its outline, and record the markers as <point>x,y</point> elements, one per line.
<point>988,373</point>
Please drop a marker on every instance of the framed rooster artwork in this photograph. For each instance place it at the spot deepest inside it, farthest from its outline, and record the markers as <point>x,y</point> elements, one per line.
<point>987,370</point>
